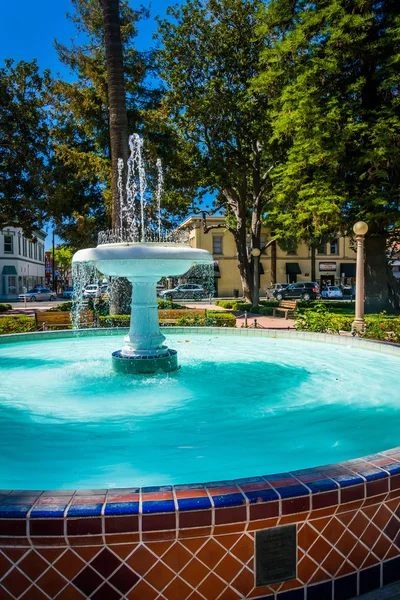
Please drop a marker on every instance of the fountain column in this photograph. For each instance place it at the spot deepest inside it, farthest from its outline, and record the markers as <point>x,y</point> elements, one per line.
<point>144,337</point>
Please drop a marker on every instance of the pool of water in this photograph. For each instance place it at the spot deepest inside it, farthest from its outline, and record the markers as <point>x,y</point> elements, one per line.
<point>238,407</point>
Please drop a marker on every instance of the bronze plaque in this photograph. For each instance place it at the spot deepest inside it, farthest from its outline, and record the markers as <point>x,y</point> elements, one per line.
<point>276,555</point>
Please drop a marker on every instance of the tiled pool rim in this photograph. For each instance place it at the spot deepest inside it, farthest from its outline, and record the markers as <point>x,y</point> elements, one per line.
<point>197,541</point>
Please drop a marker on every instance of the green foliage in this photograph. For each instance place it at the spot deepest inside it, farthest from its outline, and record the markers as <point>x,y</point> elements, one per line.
<point>221,318</point>
<point>320,319</point>
<point>383,328</point>
<point>188,318</point>
<point>168,304</point>
<point>5,307</point>
<point>24,145</point>
<point>64,307</point>
<point>17,324</point>
<point>114,320</point>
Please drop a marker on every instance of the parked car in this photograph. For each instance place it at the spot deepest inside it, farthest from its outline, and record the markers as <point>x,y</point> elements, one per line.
<point>68,292</point>
<point>332,291</point>
<point>37,294</point>
<point>269,292</point>
<point>92,291</point>
<point>184,290</point>
<point>307,290</point>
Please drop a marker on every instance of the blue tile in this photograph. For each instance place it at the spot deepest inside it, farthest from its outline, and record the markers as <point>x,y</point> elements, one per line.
<point>220,484</point>
<point>370,579</point>
<point>246,480</point>
<point>393,468</point>
<point>345,588</point>
<point>43,511</point>
<point>190,486</point>
<point>322,591</point>
<point>164,488</point>
<point>194,503</point>
<point>348,479</point>
<point>228,500</point>
<point>84,510</point>
<point>291,491</point>
<point>265,495</point>
<point>158,506</point>
<point>372,474</point>
<point>122,508</point>
<point>291,595</point>
<point>18,511</point>
<point>391,571</point>
<point>322,485</point>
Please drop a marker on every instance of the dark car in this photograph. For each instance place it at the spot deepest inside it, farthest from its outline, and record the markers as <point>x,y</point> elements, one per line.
<point>307,290</point>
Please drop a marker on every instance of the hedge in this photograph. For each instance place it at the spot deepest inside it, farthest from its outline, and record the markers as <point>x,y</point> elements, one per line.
<point>16,324</point>
<point>212,318</point>
<point>5,307</point>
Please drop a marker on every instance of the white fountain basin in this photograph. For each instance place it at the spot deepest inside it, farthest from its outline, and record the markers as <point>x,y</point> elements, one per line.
<point>143,259</point>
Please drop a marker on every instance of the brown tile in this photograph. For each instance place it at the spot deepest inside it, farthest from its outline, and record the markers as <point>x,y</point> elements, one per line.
<point>177,557</point>
<point>122,538</point>
<point>352,493</point>
<point>306,569</point>
<point>333,531</point>
<point>106,562</point>
<point>106,592</point>
<point>375,500</point>
<point>194,572</point>
<point>14,554</point>
<point>318,577</point>
<point>87,580</point>
<point>194,544</point>
<point>392,528</point>
<point>47,541</point>
<point>346,543</point>
<point>229,594</point>
<point>70,593</point>
<point>195,518</point>
<point>346,517</point>
<point>230,528</point>
<point>15,582</point>
<point>159,576</point>
<point>13,527</point>
<point>244,582</point>
<point>332,562</point>
<point>358,555</point>
<point>51,554</point>
<point>306,536</point>
<point>87,554</point>
<point>370,561</point>
<point>159,548</point>
<point>228,568</point>
<point>177,590</point>
<point>380,486</point>
<point>33,565</point>
<point>5,564</point>
<point>370,535</point>
<point>52,527</point>
<point>262,524</point>
<point>124,579</point>
<point>33,593</point>
<point>158,536</point>
<point>51,582</point>
<point>228,541</point>
<point>125,524</point>
<point>264,510</point>
<point>324,500</point>
<point>319,550</point>
<point>4,595</point>
<point>85,526</point>
<point>244,549</point>
<point>359,524</point>
<point>158,522</point>
<point>141,560</point>
<point>235,514</point>
<point>295,505</point>
<point>69,564</point>
<point>382,517</point>
<point>142,591</point>
<point>211,587</point>
<point>381,547</point>
<point>86,540</point>
<point>194,532</point>
<point>211,553</point>
<point>345,569</point>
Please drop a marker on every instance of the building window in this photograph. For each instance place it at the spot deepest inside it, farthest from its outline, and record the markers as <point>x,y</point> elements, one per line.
<point>30,249</point>
<point>19,244</point>
<point>321,248</point>
<point>334,246</point>
<point>35,249</point>
<point>217,244</point>
<point>40,248</point>
<point>24,247</point>
<point>8,244</point>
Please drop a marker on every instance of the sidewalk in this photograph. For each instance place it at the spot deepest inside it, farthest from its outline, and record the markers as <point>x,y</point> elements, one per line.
<point>265,322</point>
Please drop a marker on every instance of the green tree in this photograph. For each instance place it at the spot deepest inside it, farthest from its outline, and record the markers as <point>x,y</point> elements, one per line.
<point>24,145</point>
<point>219,130</point>
<point>337,120</point>
<point>63,259</point>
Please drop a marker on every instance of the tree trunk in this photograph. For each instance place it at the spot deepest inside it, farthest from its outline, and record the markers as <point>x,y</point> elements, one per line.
<point>313,270</point>
<point>243,263</point>
<point>376,280</point>
<point>273,263</point>
<point>118,118</point>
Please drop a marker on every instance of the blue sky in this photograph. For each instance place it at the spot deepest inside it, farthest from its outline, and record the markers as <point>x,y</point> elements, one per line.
<point>28,29</point>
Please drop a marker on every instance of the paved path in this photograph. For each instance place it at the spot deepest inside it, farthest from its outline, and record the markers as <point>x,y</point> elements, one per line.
<point>390,592</point>
<point>265,322</point>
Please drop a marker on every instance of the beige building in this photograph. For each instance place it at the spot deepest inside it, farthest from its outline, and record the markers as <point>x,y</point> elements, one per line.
<point>335,262</point>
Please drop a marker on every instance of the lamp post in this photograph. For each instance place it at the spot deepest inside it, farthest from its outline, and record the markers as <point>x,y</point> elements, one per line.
<point>360,229</point>
<point>256,275</point>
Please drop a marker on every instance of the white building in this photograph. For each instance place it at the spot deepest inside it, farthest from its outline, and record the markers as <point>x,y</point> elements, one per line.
<point>21,262</point>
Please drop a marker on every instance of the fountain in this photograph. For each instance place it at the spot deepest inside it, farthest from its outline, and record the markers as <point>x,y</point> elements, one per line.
<point>143,263</point>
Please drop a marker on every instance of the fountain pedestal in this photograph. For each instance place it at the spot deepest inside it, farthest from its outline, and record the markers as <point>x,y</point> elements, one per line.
<point>144,351</point>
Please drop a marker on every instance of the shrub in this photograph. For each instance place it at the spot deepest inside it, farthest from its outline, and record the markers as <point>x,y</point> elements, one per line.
<point>183,318</point>
<point>221,318</point>
<point>64,307</point>
<point>320,319</point>
<point>17,324</point>
<point>5,307</point>
<point>114,320</point>
<point>168,304</point>
<point>383,328</point>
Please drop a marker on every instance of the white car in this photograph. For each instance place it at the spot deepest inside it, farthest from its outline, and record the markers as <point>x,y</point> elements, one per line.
<point>332,291</point>
<point>92,291</point>
<point>38,294</point>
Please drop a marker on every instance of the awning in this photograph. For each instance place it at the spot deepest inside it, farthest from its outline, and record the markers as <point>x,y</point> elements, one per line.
<point>9,270</point>
<point>217,272</point>
<point>293,269</point>
<point>260,266</point>
<point>348,269</point>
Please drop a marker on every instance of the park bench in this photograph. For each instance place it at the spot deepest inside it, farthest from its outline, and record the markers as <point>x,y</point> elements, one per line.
<point>171,316</point>
<point>286,306</point>
<point>61,319</point>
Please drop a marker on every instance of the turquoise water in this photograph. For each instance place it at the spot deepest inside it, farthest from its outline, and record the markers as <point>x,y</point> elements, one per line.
<point>238,407</point>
